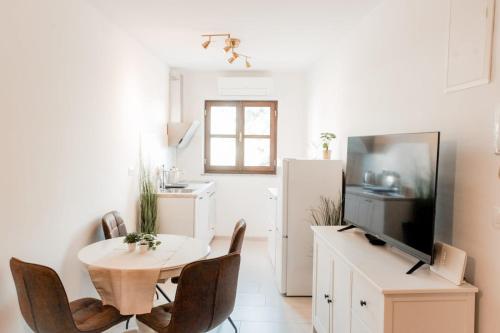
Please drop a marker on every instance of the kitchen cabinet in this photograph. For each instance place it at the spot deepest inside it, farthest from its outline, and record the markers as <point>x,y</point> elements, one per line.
<point>359,288</point>
<point>191,214</point>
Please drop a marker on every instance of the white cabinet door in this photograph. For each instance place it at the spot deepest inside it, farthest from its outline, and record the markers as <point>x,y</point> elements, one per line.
<point>322,293</point>
<point>358,326</point>
<point>341,312</point>
<point>202,220</point>
<point>212,217</point>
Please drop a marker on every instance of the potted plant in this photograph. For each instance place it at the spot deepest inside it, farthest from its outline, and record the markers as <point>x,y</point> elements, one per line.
<point>326,138</point>
<point>131,240</point>
<point>329,212</point>
<point>148,203</point>
<point>148,242</point>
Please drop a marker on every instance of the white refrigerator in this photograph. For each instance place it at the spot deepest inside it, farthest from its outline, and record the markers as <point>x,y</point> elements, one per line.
<point>303,182</point>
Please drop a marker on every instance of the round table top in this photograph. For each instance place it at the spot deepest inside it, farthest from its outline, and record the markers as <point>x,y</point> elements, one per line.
<point>174,252</point>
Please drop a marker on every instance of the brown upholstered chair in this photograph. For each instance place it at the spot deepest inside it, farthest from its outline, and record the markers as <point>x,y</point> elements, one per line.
<point>113,225</point>
<point>204,299</point>
<point>234,247</point>
<point>45,307</point>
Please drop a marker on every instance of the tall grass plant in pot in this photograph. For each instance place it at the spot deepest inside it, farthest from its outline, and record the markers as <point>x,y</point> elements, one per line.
<point>148,203</point>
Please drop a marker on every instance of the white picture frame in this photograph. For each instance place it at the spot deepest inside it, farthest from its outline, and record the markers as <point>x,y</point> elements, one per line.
<point>470,41</point>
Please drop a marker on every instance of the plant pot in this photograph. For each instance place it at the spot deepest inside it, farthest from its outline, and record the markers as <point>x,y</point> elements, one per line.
<point>131,247</point>
<point>143,248</point>
<point>327,154</point>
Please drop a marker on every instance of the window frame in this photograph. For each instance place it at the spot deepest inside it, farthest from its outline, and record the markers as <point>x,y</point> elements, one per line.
<point>240,168</point>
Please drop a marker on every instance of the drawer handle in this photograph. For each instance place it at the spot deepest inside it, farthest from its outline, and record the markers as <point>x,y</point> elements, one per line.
<point>362,303</point>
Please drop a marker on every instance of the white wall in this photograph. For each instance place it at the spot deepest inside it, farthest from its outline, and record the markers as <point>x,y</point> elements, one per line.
<point>243,196</point>
<point>388,76</point>
<point>75,96</point>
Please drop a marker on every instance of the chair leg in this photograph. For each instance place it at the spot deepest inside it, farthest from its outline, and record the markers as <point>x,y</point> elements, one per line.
<point>128,322</point>
<point>232,324</point>
<point>157,296</point>
<point>163,293</point>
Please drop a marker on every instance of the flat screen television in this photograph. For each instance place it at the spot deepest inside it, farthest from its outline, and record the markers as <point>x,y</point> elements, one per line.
<point>391,183</point>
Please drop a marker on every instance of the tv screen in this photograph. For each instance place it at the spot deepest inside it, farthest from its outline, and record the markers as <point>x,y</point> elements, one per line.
<point>390,190</point>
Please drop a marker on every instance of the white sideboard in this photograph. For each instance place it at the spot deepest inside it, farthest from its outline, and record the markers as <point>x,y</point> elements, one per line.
<point>189,214</point>
<point>360,288</point>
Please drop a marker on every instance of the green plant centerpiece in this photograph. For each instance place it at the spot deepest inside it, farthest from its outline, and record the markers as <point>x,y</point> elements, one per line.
<point>328,213</point>
<point>131,240</point>
<point>148,203</point>
<point>149,241</point>
<point>326,139</point>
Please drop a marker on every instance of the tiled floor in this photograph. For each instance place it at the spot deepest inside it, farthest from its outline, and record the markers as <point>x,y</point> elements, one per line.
<point>259,306</point>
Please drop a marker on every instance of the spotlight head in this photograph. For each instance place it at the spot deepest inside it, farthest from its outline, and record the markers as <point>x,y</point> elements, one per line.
<point>233,57</point>
<point>206,43</point>
<point>227,49</point>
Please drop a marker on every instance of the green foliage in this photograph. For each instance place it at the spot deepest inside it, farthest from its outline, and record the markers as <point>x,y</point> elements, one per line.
<point>132,238</point>
<point>149,240</point>
<point>148,203</point>
<point>326,138</point>
<point>328,213</point>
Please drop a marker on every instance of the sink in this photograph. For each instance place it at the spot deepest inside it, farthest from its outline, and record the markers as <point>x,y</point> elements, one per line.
<point>178,190</point>
<point>170,186</point>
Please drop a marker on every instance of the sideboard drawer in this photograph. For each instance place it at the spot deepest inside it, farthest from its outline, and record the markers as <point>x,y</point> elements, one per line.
<point>367,303</point>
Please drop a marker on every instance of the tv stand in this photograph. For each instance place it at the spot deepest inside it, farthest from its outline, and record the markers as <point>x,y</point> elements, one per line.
<point>349,227</point>
<point>371,292</point>
<point>419,264</point>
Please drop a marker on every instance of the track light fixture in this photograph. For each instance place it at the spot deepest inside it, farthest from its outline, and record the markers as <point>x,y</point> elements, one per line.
<point>230,45</point>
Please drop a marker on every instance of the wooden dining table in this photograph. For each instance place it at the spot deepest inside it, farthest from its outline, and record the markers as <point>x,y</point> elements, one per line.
<point>113,255</point>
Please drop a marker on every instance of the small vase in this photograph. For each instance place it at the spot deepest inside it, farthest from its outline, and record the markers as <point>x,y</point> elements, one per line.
<point>327,154</point>
<point>132,247</point>
<point>143,248</point>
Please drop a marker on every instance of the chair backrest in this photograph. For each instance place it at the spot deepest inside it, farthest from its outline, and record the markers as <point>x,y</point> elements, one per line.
<point>42,298</point>
<point>113,225</point>
<point>205,295</point>
<point>238,235</point>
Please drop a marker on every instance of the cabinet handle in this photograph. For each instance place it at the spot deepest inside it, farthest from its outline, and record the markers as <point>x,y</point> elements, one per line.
<point>362,303</point>
<point>211,194</point>
<point>327,296</point>
<point>329,301</point>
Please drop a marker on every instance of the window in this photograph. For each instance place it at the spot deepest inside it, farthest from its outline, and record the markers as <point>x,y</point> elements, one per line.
<point>240,137</point>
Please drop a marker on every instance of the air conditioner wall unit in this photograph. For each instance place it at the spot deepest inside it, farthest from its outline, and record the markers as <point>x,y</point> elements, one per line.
<point>245,86</point>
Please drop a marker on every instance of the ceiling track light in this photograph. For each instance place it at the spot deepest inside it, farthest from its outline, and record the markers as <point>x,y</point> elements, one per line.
<point>229,45</point>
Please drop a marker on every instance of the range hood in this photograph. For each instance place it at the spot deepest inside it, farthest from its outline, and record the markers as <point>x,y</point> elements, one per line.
<point>180,134</point>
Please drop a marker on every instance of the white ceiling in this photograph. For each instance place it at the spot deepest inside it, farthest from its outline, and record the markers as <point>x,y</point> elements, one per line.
<point>278,34</point>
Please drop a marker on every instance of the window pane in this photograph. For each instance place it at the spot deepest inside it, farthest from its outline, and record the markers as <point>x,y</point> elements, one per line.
<point>257,152</point>
<point>223,120</point>
<point>222,152</point>
<point>257,120</point>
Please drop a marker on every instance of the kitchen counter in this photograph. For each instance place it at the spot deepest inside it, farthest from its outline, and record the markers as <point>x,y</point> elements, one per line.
<point>192,190</point>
